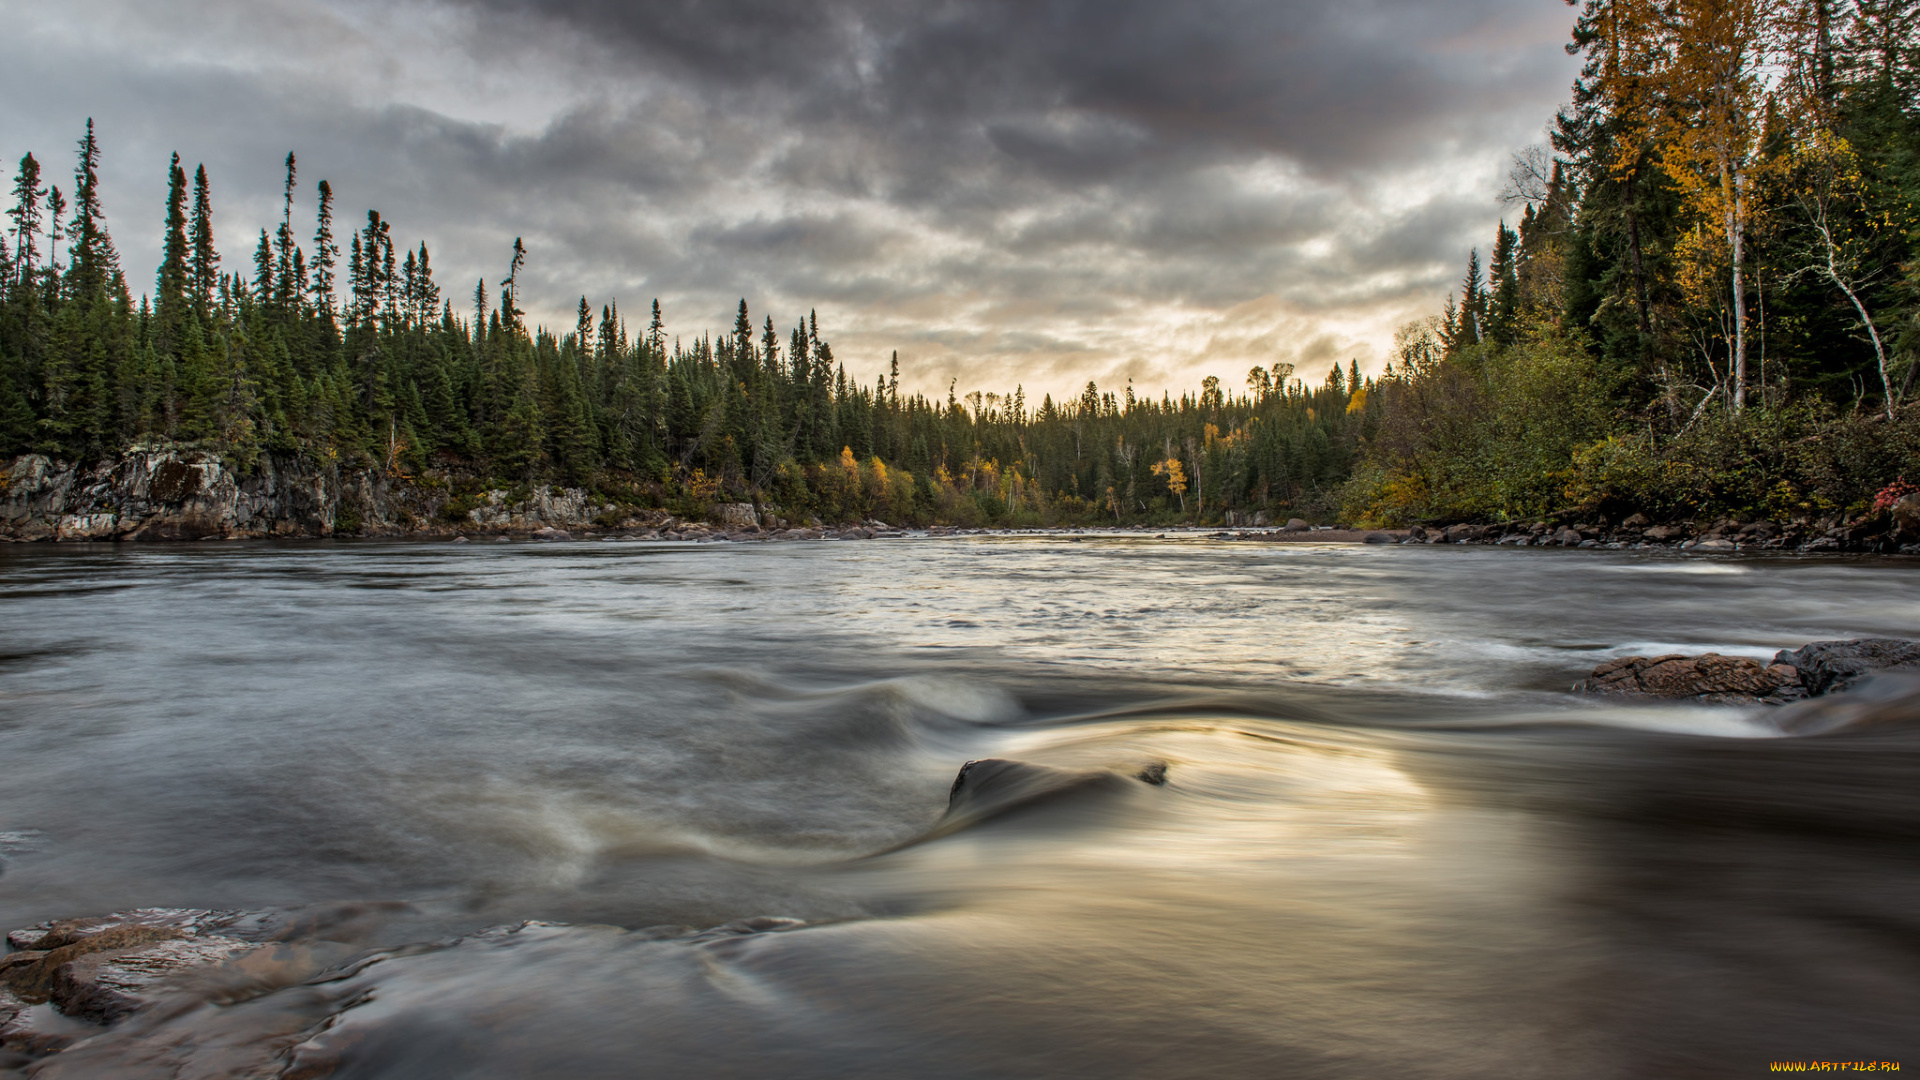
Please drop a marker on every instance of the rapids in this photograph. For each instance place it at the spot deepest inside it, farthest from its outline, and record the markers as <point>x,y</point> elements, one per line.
<point>511,784</point>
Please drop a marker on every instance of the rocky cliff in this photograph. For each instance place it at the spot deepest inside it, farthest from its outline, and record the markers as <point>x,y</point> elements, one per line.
<point>168,492</point>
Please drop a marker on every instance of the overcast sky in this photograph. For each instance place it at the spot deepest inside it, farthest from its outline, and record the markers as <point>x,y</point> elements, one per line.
<point>1006,192</point>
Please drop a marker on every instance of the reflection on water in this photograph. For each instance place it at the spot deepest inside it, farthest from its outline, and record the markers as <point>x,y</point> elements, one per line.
<point>1387,844</point>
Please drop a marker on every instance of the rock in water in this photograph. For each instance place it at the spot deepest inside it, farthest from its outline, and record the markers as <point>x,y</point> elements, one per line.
<point>103,969</point>
<point>1377,538</point>
<point>1706,678</point>
<point>991,787</point>
<point>1828,666</point>
<point>105,986</point>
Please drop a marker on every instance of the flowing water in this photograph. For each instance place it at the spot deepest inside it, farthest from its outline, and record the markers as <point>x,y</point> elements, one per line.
<point>1389,842</point>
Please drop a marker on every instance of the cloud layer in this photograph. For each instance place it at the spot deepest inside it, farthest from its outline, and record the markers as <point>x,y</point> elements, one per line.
<point>1006,191</point>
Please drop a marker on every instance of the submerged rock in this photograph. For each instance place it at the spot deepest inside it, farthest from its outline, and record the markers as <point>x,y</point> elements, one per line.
<point>991,787</point>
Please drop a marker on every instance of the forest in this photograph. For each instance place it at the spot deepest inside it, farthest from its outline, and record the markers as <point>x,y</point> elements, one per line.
<point>1709,304</point>
<point>357,357</point>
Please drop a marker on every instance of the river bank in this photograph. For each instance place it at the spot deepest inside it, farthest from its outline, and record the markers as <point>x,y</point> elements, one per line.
<point>164,492</point>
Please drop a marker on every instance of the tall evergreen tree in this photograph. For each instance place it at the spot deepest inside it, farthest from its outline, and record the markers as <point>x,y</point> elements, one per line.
<point>204,273</point>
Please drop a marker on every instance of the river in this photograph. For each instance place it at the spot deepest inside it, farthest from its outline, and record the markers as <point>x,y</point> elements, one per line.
<point>1389,842</point>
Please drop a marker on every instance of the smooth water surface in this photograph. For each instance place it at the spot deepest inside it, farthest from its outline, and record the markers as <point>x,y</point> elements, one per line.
<point>1390,842</point>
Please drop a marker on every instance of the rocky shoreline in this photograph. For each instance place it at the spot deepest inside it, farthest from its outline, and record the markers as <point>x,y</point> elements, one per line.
<point>162,491</point>
<point>1895,531</point>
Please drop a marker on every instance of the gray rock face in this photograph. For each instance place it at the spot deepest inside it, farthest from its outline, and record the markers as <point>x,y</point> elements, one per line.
<point>544,507</point>
<point>164,492</point>
<point>1827,666</point>
<point>738,515</point>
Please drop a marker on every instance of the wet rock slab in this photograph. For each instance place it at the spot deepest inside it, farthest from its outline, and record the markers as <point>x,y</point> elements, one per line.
<point>1709,678</point>
<point>1820,668</point>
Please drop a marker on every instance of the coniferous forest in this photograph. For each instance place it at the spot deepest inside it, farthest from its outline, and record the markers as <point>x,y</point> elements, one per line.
<point>340,345</point>
<point>1709,303</point>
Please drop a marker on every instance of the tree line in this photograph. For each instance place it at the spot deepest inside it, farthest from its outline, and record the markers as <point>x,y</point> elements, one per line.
<point>1711,301</point>
<point>340,346</point>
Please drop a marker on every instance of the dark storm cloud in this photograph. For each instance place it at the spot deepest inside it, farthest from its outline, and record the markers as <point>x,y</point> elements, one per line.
<point>1005,191</point>
<point>1330,86</point>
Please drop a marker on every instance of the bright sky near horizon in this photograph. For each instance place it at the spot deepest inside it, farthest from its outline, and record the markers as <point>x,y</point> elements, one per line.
<point>1006,191</point>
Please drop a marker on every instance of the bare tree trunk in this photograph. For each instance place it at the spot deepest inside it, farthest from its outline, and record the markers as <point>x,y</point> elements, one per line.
<point>1873,332</point>
<point>1879,349</point>
<point>1736,239</point>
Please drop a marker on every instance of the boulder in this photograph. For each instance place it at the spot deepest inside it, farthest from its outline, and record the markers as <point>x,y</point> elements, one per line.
<point>1461,534</point>
<point>1829,666</point>
<point>738,515</point>
<point>1714,543</point>
<point>1665,533</point>
<point>105,968</point>
<point>992,787</point>
<point>1296,525</point>
<point>1566,537</point>
<point>1906,516</point>
<point>1709,677</point>
<point>1378,538</point>
<point>1637,521</point>
<point>550,533</point>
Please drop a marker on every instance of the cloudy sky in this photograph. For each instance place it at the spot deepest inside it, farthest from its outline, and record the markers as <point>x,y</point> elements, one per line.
<point>1006,191</point>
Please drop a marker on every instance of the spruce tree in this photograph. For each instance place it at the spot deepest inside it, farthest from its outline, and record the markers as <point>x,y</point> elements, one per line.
<point>286,290</point>
<point>204,275</point>
<point>326,255</point>
<point>27,194</point>
<point>173,305</point>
